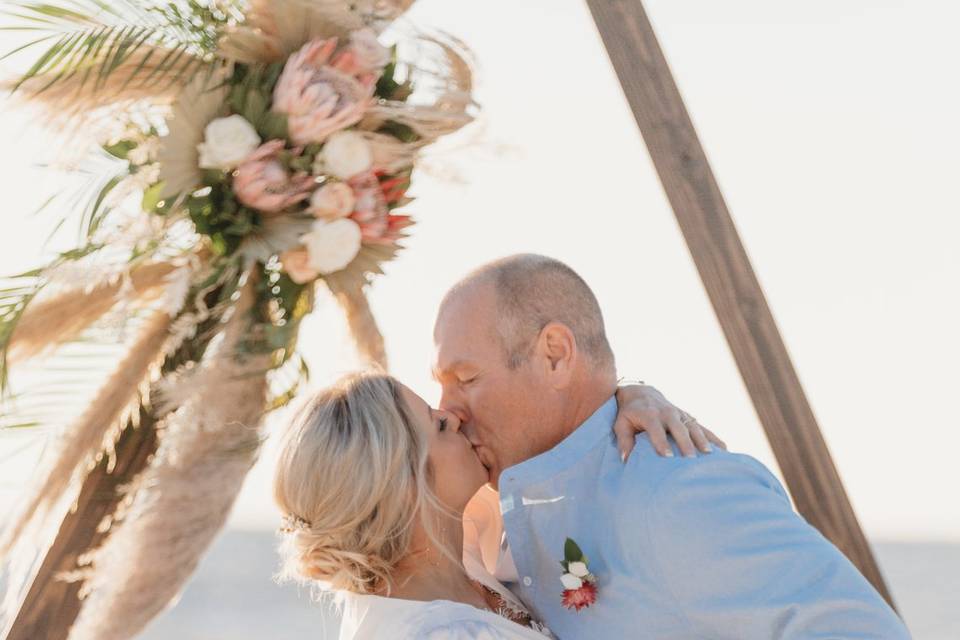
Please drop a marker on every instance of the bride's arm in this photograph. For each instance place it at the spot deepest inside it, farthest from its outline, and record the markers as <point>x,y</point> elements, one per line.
<point>643,408</point>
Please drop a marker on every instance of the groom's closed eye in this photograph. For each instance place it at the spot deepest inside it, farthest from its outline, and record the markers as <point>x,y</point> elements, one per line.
<point>467,375</point>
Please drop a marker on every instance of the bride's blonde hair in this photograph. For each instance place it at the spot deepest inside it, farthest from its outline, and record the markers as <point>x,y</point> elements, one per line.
<point>351,478</point>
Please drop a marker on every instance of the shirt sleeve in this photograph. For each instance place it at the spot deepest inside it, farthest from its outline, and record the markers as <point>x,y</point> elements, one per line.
<point>741,563</point>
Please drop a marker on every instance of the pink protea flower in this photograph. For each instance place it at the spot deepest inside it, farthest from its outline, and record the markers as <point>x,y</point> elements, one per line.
<point>370,210</point>
<point>577,599</point>
<point>263,183</point>
<point>363,55</point>
<point>319,95</point>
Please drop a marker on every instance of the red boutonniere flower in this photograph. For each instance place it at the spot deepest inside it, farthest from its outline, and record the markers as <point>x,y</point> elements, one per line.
<point>579,585</point>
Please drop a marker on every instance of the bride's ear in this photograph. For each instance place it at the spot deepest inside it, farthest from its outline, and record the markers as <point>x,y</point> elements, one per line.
<point>557,351</point>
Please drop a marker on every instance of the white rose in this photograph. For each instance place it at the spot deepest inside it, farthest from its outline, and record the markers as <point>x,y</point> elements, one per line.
<point>571,581</point>
<point>578,569</point>
<point>371,55</point>
<point>333,200</point>
<point>332,245</point>
<point>227,141</point>
<point>346,154</point>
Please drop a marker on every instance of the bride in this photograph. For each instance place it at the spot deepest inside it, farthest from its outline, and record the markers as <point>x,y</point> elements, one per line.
<point>374,484</point>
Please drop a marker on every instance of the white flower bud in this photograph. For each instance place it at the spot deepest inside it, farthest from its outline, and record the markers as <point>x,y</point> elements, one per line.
<point>227,141</point>
<point>571,581</point>
<point>578,569</point>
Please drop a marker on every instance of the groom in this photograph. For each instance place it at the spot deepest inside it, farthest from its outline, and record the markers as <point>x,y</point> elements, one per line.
<point>703,548</point>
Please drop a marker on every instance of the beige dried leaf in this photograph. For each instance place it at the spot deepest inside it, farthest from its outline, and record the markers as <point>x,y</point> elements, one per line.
<point>199,103</point>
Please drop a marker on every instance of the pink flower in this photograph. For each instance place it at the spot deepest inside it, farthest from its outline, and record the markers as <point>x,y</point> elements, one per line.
<point>363,55</point>
<point>371,210</point>
<point>263,183</point>
<point>321,96</point>
<point>296,262</point>
<point>577,599</point>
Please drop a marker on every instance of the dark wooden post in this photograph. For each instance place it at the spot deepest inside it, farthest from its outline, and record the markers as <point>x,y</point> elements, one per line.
<point>730,280</point>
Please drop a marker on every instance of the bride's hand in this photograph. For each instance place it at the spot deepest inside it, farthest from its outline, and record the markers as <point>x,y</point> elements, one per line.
<point>643,408</point>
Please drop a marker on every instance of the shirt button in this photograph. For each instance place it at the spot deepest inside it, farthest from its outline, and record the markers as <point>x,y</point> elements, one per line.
<point>527,581</point>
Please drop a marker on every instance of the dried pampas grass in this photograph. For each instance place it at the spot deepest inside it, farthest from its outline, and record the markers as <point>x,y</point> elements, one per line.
<point>183,499</point>
<point>117,402</point>
<point>363,326</point>
<point>49,322</point>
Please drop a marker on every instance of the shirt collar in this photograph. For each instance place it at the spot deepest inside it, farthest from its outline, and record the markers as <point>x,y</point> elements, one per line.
<point>565,454</point>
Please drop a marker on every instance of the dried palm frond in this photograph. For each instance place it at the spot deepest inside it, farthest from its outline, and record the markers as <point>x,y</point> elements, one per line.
<point>367,264</point>
<point>181,501</point>
<point>441,70</point>
<point>195,107</point>
<point>390,154</point>
<point>108,54</point>
<point>274,29</point>
<point>116,403</point>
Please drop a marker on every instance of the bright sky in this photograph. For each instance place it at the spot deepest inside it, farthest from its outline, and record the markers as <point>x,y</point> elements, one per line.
<point>832,129</point>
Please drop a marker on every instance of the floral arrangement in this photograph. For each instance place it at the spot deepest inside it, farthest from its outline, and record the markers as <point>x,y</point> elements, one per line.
<point>253,148</point>
<point>579,585</point>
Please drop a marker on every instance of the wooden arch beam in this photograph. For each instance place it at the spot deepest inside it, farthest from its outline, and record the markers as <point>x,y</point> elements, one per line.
<point>729,279</point>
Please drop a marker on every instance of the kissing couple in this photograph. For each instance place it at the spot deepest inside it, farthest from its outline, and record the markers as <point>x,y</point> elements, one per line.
<point>542,500</point>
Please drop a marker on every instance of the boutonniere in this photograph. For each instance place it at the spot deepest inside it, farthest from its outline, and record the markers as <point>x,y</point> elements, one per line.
<point>579,585</point>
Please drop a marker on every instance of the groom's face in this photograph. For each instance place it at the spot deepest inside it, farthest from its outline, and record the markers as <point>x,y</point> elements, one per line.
<point>496,405</point>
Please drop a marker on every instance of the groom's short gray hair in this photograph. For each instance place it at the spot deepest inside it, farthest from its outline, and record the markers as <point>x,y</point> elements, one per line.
<point>533,291</point>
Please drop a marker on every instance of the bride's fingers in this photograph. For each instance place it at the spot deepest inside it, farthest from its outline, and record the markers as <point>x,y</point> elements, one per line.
<point>628,425</point>
<point>712,437</point>
<point>698,436</point>
<point>681,435</point>
<point>624,433</point>
<point>657,433</point>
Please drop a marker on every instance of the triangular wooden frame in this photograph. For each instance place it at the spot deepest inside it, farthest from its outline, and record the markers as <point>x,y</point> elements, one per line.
<point>730,280</point>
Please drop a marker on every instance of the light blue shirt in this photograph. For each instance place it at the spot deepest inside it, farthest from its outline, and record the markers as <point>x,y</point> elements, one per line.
<point>682,548</point>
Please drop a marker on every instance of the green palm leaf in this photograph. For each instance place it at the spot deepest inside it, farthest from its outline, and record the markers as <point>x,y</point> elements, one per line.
<point>144,43</point>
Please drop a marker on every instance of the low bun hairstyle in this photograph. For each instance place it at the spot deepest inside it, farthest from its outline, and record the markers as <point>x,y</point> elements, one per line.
<point>352,473</point>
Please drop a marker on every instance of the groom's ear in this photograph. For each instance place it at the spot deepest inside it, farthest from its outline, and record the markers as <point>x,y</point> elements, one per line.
<point>557,351</point>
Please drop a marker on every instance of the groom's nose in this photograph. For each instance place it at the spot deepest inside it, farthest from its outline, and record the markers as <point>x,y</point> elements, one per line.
<point>450,404</point>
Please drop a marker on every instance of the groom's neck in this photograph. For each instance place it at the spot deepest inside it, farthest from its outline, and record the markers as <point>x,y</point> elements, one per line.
<point>583,400</point>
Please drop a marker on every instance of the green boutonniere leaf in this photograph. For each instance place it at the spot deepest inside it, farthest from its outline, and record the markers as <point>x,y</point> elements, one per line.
<point>572,552</point>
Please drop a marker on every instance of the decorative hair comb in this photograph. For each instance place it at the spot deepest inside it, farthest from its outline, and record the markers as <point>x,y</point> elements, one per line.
<point>290,523</point>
